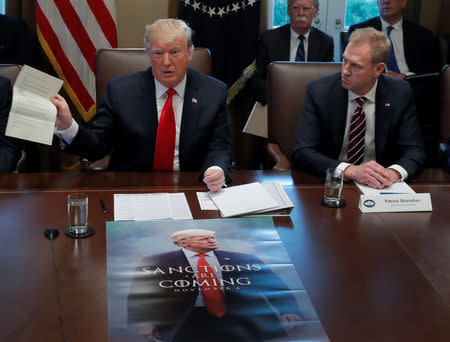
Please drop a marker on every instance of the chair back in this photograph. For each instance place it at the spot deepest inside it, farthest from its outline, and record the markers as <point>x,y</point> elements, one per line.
<point>112,63</point>
<point>287,82</point>
<point>445,103</point>
<point>10,71</point>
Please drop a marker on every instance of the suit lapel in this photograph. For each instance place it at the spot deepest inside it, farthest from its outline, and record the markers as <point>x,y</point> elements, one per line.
<point>146,104</point>
<point>285,43</point>
<point>191,114</point>
<point>408,41</point>
<point>383,111</point>
<point>312,46</point>
<point>338,116</point>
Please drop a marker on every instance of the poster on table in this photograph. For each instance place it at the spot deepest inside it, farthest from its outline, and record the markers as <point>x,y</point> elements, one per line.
<point>157,290</point>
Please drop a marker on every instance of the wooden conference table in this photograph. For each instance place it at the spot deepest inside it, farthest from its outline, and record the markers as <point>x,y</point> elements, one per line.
<point>371,277</point>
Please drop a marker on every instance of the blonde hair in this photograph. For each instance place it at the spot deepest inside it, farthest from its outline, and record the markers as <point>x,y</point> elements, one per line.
<point>381,46</point>
<point>167,30</point>
<point>182,235</point>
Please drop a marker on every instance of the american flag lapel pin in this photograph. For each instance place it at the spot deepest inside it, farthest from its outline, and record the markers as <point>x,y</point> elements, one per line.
<point>194,100</point>
<point>387,104</point>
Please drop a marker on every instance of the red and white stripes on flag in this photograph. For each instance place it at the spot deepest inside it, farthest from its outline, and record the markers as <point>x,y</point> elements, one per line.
<point>70,32</point>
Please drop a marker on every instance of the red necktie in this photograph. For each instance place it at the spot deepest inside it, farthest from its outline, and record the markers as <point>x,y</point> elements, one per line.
<point>165,136</point>
<point>209,284</point>
<point>357,132</point>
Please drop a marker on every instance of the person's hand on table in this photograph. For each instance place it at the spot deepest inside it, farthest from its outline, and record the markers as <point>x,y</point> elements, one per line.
<point>214,178</point>
<point>372,174</point>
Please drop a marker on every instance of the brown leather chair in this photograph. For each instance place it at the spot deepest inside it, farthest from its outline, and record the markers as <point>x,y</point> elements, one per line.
<point>11,71</point>
<point>287,82</point>
<point>112,63</point>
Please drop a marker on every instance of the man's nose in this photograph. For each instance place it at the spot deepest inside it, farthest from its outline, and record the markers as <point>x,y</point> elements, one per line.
<point>166,58</point>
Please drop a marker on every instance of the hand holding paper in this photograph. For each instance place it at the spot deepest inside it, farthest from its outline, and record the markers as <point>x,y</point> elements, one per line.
<point>63,116</point>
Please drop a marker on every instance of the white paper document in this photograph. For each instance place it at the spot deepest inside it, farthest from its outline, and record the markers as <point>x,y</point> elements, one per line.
<point>32,115</point>
<point>394,189</point>
<point>205,202</point>
<point>243,199</point>
<point>277,192</point>
<point>144,207</point>
<point>257,121</point>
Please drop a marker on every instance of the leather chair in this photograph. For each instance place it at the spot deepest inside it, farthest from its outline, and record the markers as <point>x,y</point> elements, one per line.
<point>11,71</point>
<point>112,63</point>
<point>287,82</point>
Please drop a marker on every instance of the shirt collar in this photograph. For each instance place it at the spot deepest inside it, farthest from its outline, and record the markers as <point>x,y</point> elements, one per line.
<point>397,26</point>
<point>294,35</point>
<point>370,94</point>
<point>160,90</point>
<point>190,253</point>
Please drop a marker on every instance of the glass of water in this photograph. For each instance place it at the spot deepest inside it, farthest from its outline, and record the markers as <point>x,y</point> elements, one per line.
<point>333,188</point>
<point>77,211</point>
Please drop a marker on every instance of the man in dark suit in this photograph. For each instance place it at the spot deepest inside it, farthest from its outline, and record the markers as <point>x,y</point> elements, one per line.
<point>170,296</point>
<point>360,121</point>
<point>168,117</point>
<point>282,44</point>
<point>415,48</point>
<point>16,44</point>
<point>9,147</point>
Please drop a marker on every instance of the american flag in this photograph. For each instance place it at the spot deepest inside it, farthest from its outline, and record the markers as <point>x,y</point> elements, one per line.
<point>70,32</point>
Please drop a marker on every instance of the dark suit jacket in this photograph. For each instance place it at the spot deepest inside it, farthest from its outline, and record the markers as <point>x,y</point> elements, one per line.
<point>168,307</point>
<point>127,121</point>
<point>275,45</point>
<point>420,46</point>
<point>16,45</point>
<point>321,126</point>
<point>9,147</point>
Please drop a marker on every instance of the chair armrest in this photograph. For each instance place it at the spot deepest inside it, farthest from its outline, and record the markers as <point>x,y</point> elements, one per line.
<point>98,165</point>
<point>20,167</point>
<point>281,162</point>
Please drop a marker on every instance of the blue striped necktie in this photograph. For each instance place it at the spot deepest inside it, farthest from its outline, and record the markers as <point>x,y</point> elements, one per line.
<point>300,56</point>
<point>392,62</point>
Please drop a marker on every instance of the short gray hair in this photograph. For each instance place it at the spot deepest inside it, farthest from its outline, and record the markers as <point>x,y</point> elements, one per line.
<point>316,4</point>
<point>381,46</point>
<point>167,30</point>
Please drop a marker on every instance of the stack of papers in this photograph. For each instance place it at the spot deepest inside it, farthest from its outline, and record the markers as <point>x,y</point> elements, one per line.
<point>144,207</point>
<point>395,188</point>
<point>252,199</point>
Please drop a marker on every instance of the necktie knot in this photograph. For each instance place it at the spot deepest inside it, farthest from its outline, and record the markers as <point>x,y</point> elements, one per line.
<point>301,37</point>
<point>170,92</point>
<point>361,100</point>
<point>389,30</point>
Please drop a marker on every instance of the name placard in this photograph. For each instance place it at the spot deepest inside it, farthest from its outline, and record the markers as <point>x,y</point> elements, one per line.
<point>395,203</point>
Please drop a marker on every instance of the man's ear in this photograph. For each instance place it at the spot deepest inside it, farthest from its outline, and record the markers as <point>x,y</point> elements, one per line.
<point>380,67</point>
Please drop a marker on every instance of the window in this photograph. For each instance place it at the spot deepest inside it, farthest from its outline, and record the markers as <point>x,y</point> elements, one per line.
<point>280,16</point>
<point>360,10</point>
<point>356,11</point>
<point>2,6</point>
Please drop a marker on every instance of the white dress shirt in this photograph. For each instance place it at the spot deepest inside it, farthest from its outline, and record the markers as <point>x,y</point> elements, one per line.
<point>397,41</point>
<point>211,259</point>
<point>295,42</point>
<point>369,138</point>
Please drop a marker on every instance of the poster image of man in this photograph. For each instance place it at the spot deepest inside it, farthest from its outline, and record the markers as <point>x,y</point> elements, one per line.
<point>203,291</point>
